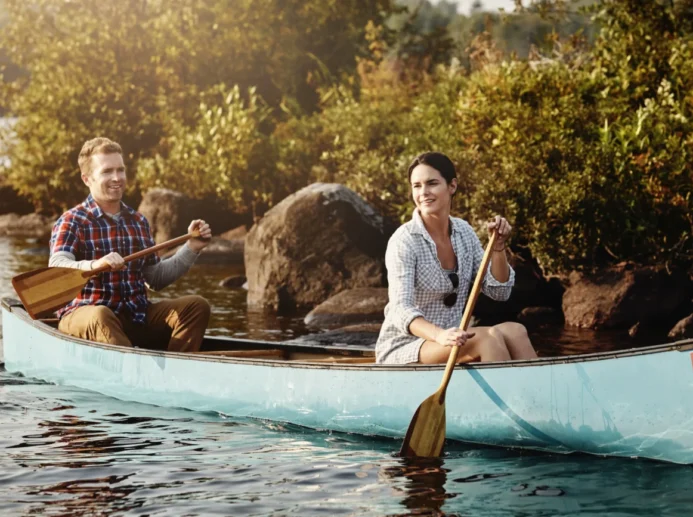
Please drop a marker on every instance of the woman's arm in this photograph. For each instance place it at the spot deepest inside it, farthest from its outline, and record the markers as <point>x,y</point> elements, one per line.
<point>400,260</point>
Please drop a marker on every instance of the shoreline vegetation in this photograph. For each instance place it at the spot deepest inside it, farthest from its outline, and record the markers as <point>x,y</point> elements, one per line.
<point>579,130</point>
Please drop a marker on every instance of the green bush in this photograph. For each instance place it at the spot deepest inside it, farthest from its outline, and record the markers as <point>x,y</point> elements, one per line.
<point>222,155</point>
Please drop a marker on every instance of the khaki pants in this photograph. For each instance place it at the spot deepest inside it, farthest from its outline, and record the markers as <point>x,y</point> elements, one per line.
<point>180,322</point>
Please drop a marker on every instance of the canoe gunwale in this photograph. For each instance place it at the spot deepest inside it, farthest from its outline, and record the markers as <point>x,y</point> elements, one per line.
<point>15,307</point>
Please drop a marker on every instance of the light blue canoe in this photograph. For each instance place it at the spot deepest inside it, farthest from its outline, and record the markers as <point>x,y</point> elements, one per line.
<point>634,403</point>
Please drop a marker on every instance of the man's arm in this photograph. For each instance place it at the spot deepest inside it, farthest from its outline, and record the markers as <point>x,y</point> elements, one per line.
<point>167,271</point>
<point>67,259</point>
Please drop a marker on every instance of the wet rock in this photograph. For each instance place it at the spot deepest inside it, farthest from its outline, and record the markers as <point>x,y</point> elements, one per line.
<point>314,244</point>
<point>31,225</point>
<point>233,282</point>
<point>358,336</point>
<point>633,331</point>
<point>531,289</point>
<point>361,305</point>
<point>218,251</point>
<point>169,213</point>
<point>221,251</point>
<point>239,232</point>
<point>683,329</point>
<point>539,315</point>
<point>622,296</point>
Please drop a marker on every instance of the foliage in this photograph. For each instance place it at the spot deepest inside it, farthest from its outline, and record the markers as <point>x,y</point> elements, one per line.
<point>586,150</point>
<point>585,144</point>
<point>130,70</point>
<point>223,155</point>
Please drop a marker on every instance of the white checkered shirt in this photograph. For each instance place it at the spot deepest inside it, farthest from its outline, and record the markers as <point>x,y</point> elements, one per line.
<point>418,285</point>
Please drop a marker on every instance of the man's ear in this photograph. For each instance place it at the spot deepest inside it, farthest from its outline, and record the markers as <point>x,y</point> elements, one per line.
<point>85,179</point>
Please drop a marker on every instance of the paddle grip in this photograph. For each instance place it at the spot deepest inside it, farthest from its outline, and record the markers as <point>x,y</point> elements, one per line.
<point>468,310</point>
<point>143,253</point>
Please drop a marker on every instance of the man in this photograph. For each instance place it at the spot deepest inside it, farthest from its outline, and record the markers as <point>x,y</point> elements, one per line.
<point>113,307</point>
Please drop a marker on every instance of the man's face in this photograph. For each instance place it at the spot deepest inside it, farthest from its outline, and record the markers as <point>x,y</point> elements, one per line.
<point>107,180</point>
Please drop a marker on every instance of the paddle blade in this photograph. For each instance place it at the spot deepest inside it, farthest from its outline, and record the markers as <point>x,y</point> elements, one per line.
<point>45,290</point>
<point>426,433</point>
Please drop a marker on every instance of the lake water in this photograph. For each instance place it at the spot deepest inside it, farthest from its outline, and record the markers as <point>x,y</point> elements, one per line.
<point>66,451</point>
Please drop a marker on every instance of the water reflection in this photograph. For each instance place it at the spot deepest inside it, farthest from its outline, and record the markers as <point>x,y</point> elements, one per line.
<point>422,485</point>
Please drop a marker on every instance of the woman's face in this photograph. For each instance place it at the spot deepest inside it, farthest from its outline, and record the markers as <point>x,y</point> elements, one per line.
<point>429,190</point>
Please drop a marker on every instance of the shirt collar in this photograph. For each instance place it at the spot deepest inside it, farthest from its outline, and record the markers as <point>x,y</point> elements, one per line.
<point>94,209</point>
<point>419,227</point>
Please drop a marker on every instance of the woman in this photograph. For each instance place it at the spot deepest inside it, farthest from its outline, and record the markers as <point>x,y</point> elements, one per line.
<point>431,262</point>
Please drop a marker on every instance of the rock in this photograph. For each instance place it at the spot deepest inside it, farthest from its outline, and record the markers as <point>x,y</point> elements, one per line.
<point>237,233</point>
<point>633,331</point>
<point>360,305</point>
<point>531,289</point>
<point>31,225</point>
<point>221,251</point>
<point>539,315</point>
<point>233,282</point>
<point>169,213</point>
<point>316,243</point>
<point>683,329</point>
<point>350,336</point>
<point>622,296</point>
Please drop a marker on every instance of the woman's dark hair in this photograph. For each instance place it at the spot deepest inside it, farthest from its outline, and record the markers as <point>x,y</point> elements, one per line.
<point>439,162</point>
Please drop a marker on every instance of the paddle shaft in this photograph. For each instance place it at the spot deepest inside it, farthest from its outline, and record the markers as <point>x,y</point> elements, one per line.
<point>148,251</point>
<point>467,316</point>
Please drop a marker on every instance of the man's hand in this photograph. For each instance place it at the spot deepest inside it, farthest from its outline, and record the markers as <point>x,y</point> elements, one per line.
<point>199,243</point>
<point>113,260</point>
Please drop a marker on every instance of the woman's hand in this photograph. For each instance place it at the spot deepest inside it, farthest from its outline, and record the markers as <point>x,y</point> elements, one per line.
<point>453,337</point>
<point>502,226</point>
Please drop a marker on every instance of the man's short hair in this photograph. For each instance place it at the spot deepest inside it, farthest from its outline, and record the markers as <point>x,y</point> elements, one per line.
<point>98,145</point>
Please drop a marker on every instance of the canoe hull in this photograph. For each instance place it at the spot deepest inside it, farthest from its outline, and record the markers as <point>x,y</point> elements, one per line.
<point>636,405</point>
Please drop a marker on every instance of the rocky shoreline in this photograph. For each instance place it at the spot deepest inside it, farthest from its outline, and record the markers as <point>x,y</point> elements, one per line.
<point>321,252</point>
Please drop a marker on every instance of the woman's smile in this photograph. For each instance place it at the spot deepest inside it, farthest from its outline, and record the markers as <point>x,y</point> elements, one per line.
<point>430,191</point>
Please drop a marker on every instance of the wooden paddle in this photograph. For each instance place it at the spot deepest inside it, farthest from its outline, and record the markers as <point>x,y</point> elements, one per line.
<point>426,432</point>
<point>44,290</point>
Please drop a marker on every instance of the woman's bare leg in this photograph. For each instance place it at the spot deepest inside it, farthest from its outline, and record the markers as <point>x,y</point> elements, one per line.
<point>488,344</point>
<point>517,340</point>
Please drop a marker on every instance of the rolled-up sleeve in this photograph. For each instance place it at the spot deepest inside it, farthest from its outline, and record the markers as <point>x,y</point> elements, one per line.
<point>400,260</point>
<point>499,291</point>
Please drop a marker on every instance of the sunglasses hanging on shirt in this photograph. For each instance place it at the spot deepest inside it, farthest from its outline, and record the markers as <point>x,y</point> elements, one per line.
<point>451,298</point>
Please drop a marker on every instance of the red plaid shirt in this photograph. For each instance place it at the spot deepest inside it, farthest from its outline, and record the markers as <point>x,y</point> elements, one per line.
<point>89,234</point>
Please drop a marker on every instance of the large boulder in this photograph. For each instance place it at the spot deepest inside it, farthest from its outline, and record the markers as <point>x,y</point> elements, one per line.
<point>315,243</point>
<point>360,305</point>
<point>624,295</point>
<point>169,213</point>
